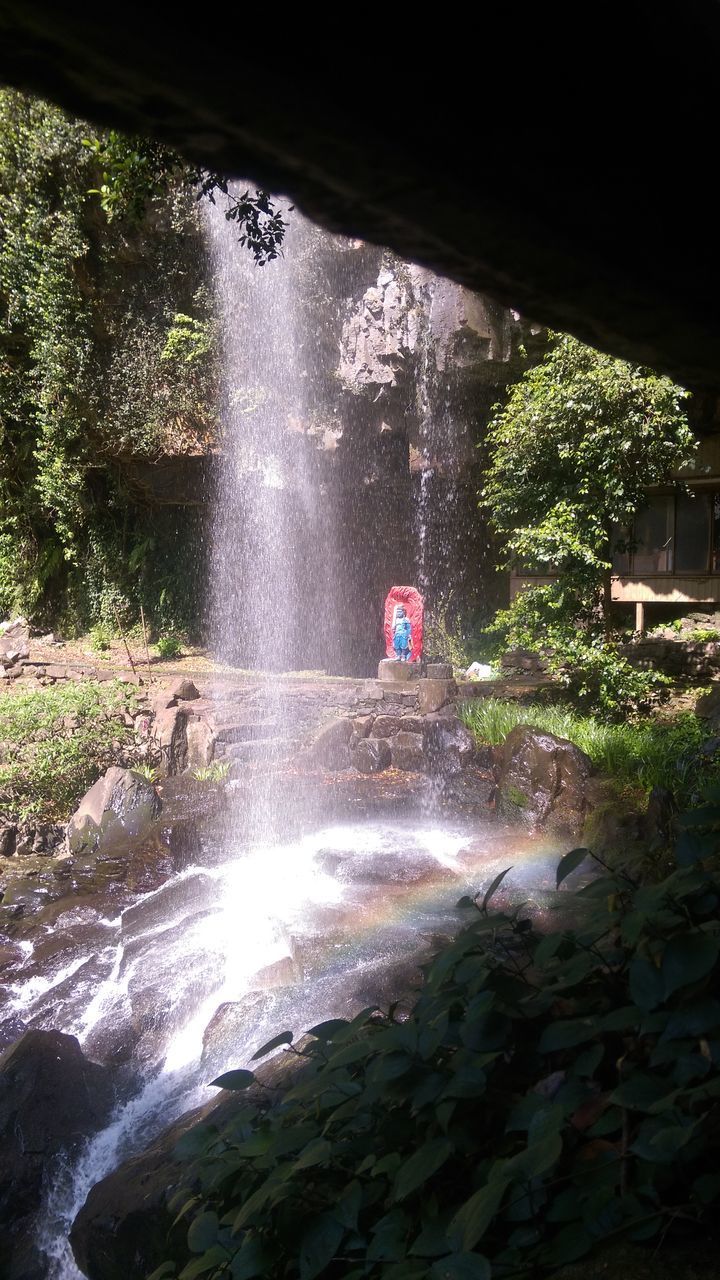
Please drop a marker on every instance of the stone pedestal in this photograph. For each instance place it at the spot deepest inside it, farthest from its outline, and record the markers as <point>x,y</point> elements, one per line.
<point>398,672</point>
<point>439,671</point>
<point>434,694</point>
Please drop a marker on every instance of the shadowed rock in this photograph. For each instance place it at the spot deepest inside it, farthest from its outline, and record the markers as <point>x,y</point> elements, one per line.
<point>542,780</point>
<point>51,1100</point>
<point>120,804</point>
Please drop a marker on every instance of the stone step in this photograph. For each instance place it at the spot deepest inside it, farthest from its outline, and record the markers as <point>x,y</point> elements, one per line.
<point>243,730</point>
<point>260,749</point>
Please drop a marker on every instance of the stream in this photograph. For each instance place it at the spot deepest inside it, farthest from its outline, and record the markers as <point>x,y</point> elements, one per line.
<point>253,938</point>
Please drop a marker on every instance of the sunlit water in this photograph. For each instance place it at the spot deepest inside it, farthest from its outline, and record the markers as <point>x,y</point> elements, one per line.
<point>340,916</point>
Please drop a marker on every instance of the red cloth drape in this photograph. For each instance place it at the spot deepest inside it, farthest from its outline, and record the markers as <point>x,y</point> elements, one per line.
<point>412,600</point>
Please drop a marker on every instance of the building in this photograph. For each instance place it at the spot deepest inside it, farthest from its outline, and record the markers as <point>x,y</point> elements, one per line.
<point>675,544</point>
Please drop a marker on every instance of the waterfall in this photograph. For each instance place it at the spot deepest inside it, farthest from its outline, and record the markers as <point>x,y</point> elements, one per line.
<point>273,556</point>
<point>314,518</point>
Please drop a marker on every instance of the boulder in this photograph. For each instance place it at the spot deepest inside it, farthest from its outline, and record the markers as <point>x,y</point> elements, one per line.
<point>434,694</point>
<point>372,755</point>
<point>51,1100</point>
<point>185,690</point>
<point>230,1027</point>
<point>14,640</point>
<point>449,746</point>
<point>472,790</point>
<point>522,660</point>
<point>708,707</point>
<point>329,747</point>
<point>281,973</point>
<point>200,744</point>
<point>170,735</point>
<point>362,725</point>
<point>406,752</point>
<point>8,839</point>
<point>412,724</point>
<point>385,726</point>
<point>542,780</point>
<point>120,804</point>
<point>660,820</point>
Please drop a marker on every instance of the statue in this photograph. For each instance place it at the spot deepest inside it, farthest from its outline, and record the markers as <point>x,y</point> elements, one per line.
<point>404,624</point>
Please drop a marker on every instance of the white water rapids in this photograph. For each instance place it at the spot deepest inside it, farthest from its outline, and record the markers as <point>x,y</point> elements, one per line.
<point>281,935</point>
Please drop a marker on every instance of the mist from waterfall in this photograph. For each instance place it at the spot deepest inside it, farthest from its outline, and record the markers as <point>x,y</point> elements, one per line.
<point>274,550</point>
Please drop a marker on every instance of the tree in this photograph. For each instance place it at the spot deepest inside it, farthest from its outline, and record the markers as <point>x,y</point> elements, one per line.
<point>573,452</point>
<point>137,170</point>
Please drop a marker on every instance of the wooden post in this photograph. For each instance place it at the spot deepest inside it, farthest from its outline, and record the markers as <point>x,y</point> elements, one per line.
<point>640,617</point>
<point>127,647</point>
<point>147,652</point>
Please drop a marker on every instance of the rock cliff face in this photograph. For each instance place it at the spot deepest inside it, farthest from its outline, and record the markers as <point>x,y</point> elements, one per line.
<point>401,370</point>
<point>382,427</point>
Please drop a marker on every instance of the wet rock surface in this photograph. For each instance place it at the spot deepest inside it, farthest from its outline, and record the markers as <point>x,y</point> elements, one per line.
<point>51,1099</point>
<point>372,755</point>
<point>542,780</point>
<point>121,804</point>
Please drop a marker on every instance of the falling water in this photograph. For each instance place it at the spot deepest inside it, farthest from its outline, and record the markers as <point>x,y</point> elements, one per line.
<point>341,906</point>
<point>273,543</point>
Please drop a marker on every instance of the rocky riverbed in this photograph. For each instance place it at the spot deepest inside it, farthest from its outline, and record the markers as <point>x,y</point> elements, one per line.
<point>247,890</point>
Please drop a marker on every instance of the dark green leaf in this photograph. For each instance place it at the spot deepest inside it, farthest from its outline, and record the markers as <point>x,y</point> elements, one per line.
<point>569,863</point>
<point>388,1243</point>
<point>421,1166</point>
<point>203,1232</point>
<point>316,1152</point>
<point>461,1266</point>
<point>564,1035</point>
<point>571,1243</point>
<point>250,1260</point>
<point>494,886</point>
<point>646,984</point>
<point>687,958</point>
<point>641,1092</point>
<point>473,1219</point>
<point>285,1037</point>
<point>330,1029</point>
<point>319,1245</point>
<point>347,1207</point>
<point>235,1080</point>
<point>208,1262</point>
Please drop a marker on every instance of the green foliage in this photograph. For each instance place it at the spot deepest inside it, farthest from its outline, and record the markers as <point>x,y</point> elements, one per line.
<point>573,452</point>
<point>136,171</point>
<point>562,624</point>
<point>545,1095</point>
<point>188,340</point>
<point>668,752</point>
<point>215,772</point>
<point>443,638</point>
<point>703,635</point>
<point>168,646</point>
<point>93,371</point>
<point>55,742</point>
<point>100,637</point>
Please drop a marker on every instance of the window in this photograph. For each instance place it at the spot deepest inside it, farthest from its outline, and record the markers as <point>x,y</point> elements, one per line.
<point>653,536</point>
<point>692,532</point>
<point>675,533</point>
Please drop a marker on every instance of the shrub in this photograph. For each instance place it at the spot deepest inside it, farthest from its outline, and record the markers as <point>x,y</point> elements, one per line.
<point>215,772</point>
<point>669,752</point>
<point>100,638</point>
<point>168,647</point>
<point>54,744</point>
<point>545,1095</point>
<point>554,621</point>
